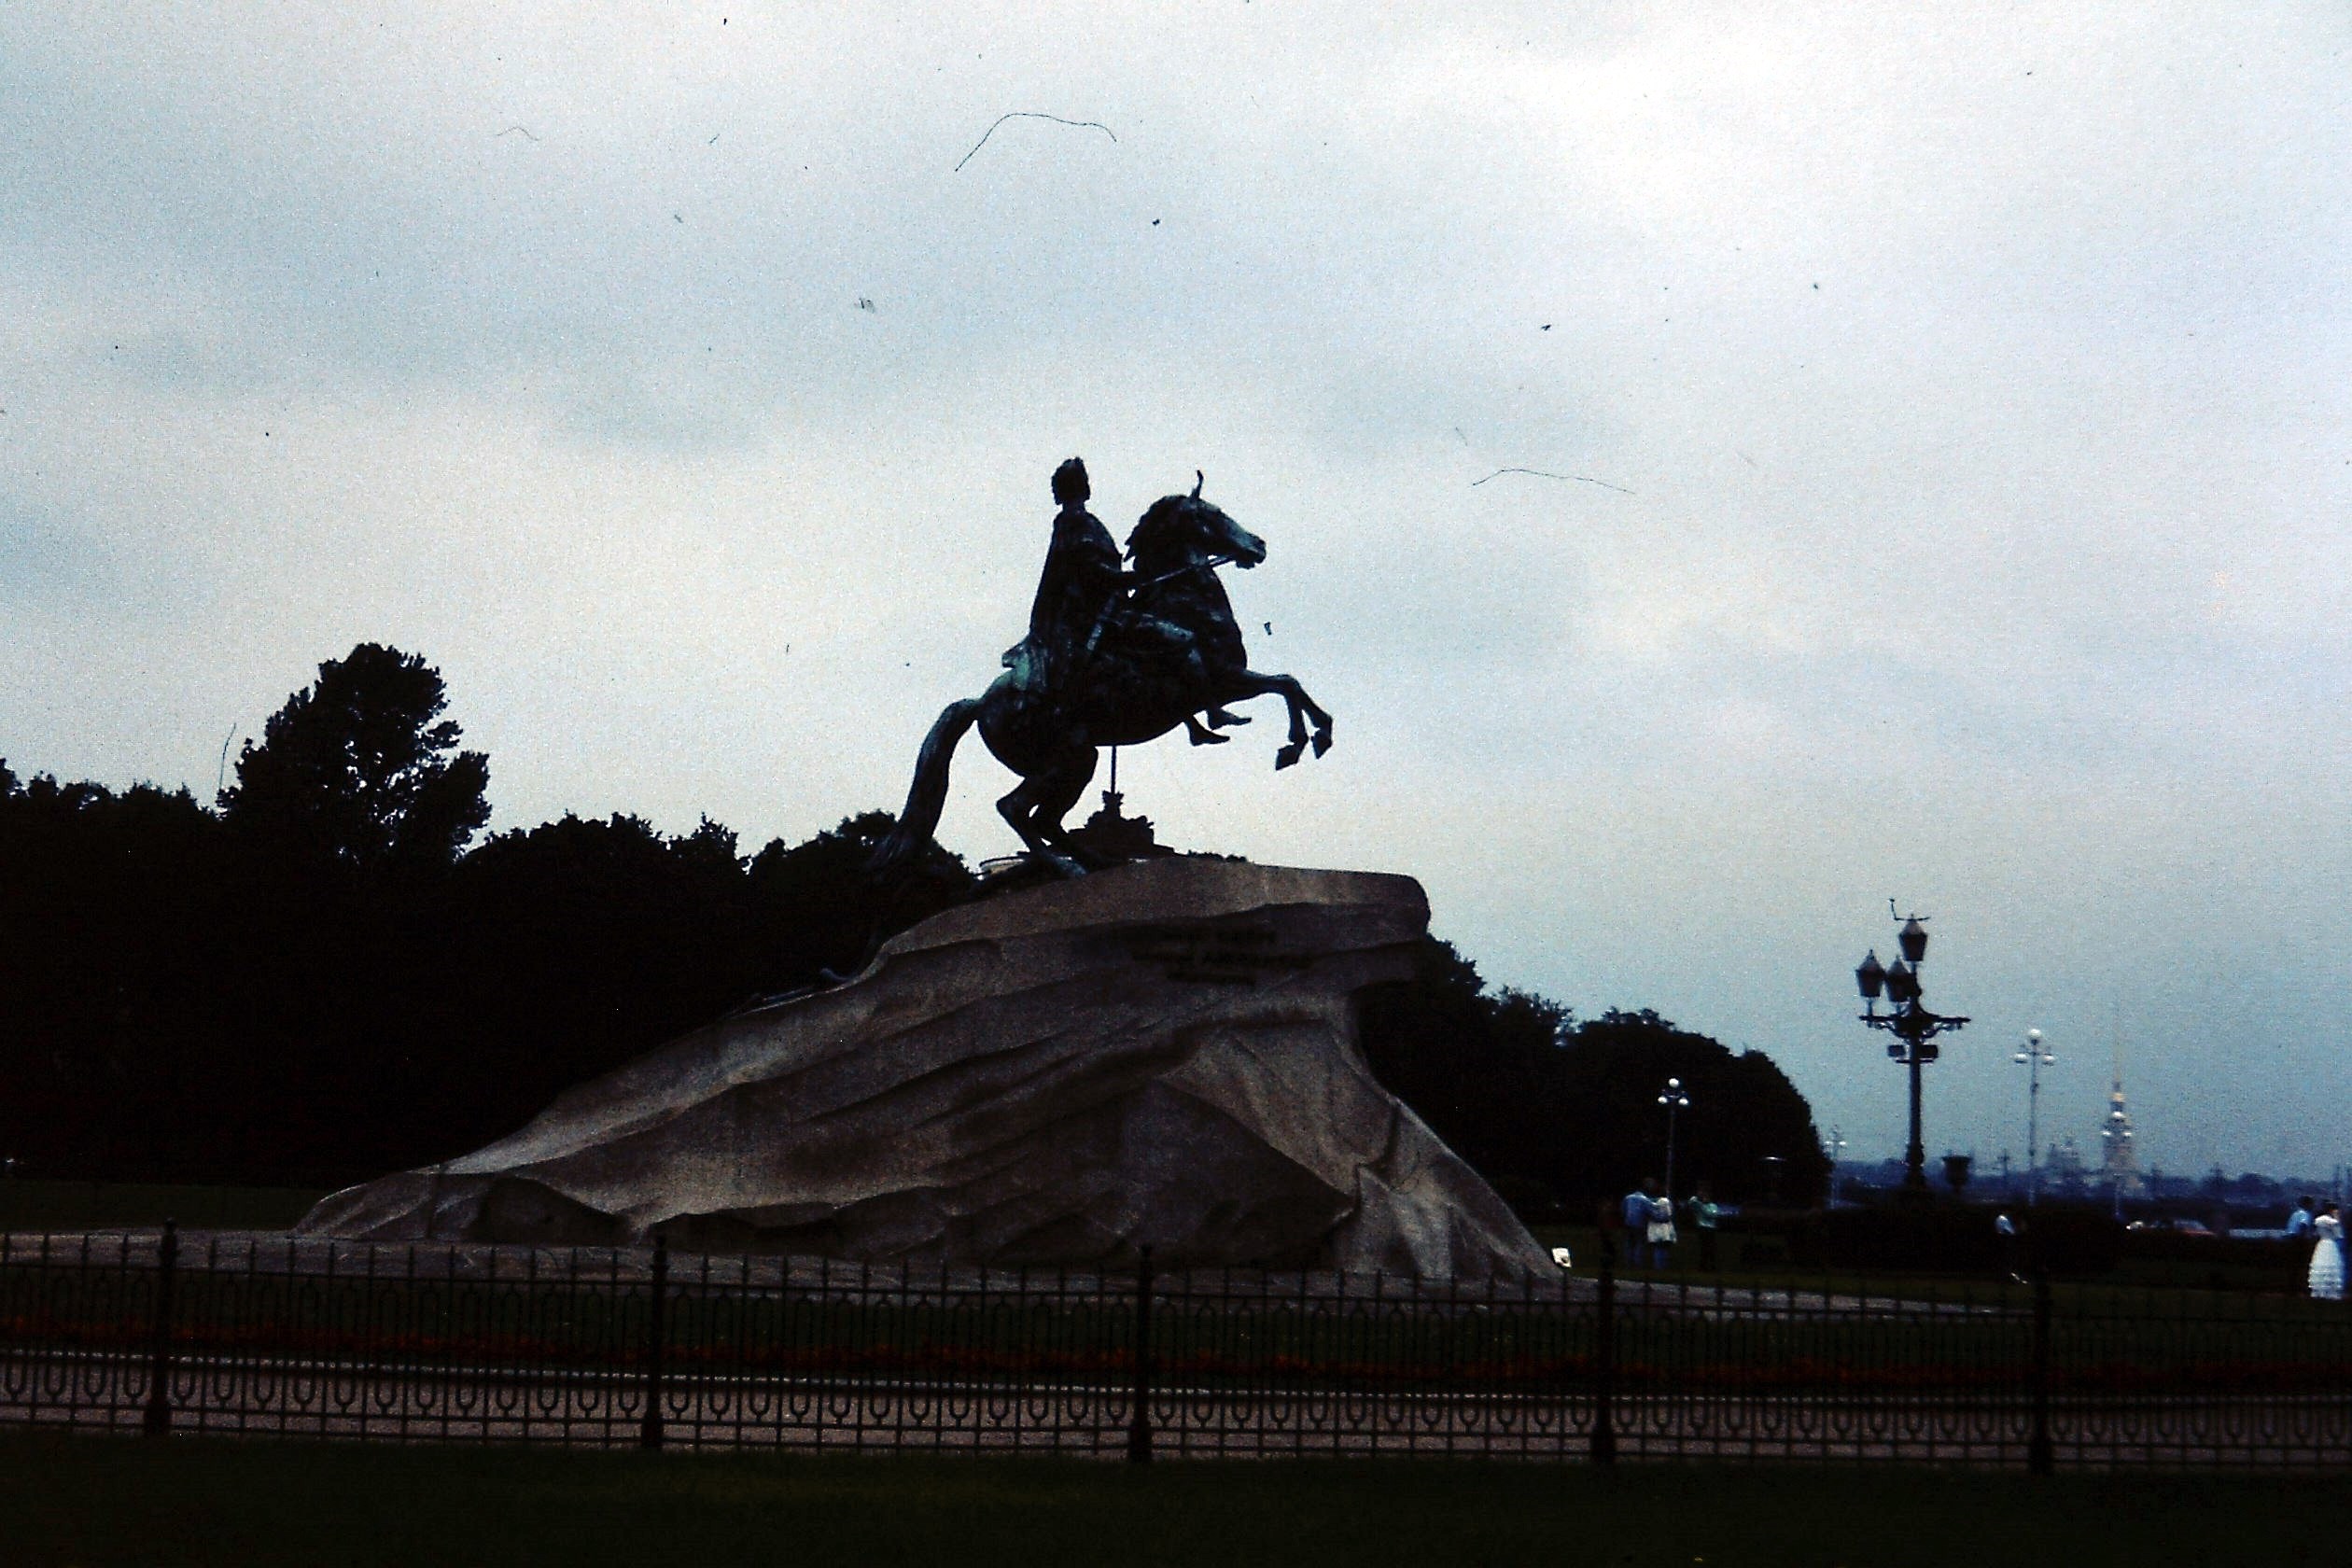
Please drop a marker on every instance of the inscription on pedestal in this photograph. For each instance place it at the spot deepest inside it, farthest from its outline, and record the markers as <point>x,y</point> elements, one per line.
<point>1217,954</point>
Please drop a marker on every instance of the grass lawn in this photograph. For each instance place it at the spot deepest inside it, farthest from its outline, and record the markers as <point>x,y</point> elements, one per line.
<point>97,1502</point>
<point>2129,1286</point>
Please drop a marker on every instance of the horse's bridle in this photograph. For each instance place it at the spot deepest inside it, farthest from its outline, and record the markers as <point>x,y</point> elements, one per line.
<point>1102,622</point>
<point>1210,564</point>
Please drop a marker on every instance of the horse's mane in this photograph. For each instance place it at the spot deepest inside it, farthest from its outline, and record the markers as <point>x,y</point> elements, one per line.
<point>1166,523</point>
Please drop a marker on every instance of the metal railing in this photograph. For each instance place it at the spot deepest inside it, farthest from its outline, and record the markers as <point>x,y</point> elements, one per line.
<point>164,1334</point>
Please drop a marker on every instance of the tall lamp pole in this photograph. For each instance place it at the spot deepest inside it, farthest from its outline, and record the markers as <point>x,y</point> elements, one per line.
<point>1913,1026</point>
<point>2035,1056</point>
<point>1676,1101</point>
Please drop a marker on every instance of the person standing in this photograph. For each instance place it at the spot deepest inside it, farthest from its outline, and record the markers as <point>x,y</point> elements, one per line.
<point>2326,1277</point>
<point>1635,1211</point>
<point>1704,1217</point>
<point>2299,1223</point>
<point>1661,1229</point>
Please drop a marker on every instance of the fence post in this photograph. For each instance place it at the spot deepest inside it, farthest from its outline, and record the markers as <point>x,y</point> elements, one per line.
<point>157,1423</point>
<point>649,1429</point>
<point>1140,1419</point>
<point>1605,1359</point>
<point>2039,1459</point>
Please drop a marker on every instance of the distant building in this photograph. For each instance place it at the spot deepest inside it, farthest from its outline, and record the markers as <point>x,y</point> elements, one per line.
<point>2119,1161</point>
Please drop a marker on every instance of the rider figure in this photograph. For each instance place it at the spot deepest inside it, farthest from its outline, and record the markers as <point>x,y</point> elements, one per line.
<point>1080,582</point>
<point>1079,600</point>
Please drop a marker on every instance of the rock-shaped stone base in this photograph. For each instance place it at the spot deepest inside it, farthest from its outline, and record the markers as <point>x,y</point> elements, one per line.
<point>1159,1054</point>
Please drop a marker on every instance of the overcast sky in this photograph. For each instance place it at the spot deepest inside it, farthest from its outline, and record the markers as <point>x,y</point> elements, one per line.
<point>1968,385</point>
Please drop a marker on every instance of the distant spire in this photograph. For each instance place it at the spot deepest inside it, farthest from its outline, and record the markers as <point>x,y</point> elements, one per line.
<point>2120,1163</point>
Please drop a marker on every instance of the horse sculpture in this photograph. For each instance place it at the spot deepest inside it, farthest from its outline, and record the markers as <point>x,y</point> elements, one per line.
<point>1129,689</point>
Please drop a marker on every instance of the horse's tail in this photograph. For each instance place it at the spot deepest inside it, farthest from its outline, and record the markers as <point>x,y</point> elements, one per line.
<point>928,794</point>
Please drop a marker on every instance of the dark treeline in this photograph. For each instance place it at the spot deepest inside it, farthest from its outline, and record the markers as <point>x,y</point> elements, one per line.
<point>1557,1112</point>
<point>322,976</point>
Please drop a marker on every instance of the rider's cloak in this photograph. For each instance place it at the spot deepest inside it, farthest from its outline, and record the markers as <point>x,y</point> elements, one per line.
<point>1080,580</point>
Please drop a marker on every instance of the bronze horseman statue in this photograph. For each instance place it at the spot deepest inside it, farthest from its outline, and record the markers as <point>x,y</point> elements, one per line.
<point>1113,657</point>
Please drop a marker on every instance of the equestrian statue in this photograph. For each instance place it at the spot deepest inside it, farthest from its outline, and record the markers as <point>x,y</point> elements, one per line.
<point>1115,656</point>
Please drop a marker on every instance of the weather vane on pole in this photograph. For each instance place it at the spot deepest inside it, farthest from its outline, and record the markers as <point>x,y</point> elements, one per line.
<point>1913,1026</point>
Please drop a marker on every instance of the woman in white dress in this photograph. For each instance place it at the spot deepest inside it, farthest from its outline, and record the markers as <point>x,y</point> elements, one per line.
<point>2327,1256</point>
<point>1660,1232</point>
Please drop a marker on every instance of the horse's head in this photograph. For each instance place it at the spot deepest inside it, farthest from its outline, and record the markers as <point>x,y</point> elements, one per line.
<point>1183,530</point>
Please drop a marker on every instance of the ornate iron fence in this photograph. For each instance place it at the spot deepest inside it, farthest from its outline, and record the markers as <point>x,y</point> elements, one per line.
<point>296,1335</point>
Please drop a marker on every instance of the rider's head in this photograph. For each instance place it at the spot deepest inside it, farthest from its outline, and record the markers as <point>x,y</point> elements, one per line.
<point>1069,484</point>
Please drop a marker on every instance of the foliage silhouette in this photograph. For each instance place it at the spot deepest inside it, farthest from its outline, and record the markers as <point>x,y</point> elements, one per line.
<point>355,768</point>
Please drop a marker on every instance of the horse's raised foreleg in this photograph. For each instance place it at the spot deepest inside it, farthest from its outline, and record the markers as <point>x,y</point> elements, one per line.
<point>1304,712</point>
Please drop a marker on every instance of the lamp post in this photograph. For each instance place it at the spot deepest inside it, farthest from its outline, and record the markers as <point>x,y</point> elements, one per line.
<point>1913,1026</point>
<point>1676,1101</point>
<point>2035,1056</point>
<point>1835,1149</point>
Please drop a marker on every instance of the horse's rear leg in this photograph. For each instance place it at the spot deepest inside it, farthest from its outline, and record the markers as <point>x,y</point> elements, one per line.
<point>1018,807</point>
<point>1058,790</point>
<point>1035,807</point>
<point>1015,806</point>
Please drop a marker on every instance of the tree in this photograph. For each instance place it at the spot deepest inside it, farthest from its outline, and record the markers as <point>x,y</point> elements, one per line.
<point>113,909</point>
<point>1743,1113</point>
<point>1476,1066</point>
<point>1538,1102</point>
<point>357,770</point>
<point>819,910</point>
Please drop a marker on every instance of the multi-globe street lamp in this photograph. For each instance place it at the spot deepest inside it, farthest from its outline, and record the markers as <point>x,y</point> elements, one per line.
<point>1913,1026</point>
<point>2034,1055</point>
<point>1676,1101</point>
